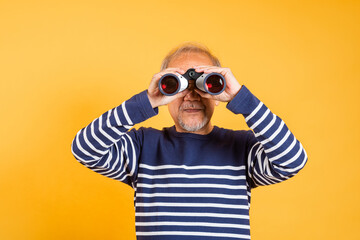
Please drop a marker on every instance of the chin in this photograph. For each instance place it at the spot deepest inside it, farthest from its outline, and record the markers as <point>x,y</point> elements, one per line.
<point>193,125</point>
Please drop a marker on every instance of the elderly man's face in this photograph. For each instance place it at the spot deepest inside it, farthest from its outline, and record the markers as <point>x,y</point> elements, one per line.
<point>192,113</point>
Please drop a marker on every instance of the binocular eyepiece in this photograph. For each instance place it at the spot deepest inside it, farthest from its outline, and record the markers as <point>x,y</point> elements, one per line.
<point>212,83</point>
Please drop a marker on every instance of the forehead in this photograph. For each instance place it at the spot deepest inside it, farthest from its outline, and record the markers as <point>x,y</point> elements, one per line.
<point>190,60</point>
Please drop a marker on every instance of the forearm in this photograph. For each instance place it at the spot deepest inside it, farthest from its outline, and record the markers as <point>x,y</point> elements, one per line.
<point>279,155</point>
<point>94,141</point>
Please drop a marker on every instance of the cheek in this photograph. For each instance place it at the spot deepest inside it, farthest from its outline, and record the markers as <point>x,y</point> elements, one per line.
<point>210,107</point>
<point>173,108</point>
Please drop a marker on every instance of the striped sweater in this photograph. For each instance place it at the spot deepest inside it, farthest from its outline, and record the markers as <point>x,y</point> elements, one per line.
<point>190,186</point>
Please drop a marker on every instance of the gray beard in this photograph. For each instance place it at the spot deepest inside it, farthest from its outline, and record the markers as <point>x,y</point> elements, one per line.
<point>193,128</point>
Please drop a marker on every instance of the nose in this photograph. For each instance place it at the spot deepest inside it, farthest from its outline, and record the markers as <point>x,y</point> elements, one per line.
<point>192,95</point>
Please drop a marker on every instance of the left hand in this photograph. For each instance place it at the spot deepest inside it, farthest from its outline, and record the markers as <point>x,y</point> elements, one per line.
<point>232,85</point>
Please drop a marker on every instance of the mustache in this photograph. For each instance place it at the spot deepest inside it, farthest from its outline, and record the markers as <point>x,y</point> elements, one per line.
<point>191,105</point>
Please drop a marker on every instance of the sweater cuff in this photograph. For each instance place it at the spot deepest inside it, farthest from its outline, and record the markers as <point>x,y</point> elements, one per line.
<point>147,110</point>
<point>137,108</point>
<point>243,103</point>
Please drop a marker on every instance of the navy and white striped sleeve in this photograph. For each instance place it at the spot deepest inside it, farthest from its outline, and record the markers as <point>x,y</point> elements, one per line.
<point>107,146</point>
<point>274,154</point>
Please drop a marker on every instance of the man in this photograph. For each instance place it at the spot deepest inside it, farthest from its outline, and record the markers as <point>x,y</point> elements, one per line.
<point>192,180</point>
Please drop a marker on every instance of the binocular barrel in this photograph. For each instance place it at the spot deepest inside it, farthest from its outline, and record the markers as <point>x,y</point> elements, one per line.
<point>212,83</point>
<point>170,84</point>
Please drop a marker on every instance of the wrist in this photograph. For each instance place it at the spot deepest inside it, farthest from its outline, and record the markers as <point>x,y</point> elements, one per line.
<point>235,93</point>
<point>151,100</point>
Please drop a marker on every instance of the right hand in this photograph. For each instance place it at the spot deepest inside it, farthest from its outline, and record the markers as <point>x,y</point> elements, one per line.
<point>156,98</point>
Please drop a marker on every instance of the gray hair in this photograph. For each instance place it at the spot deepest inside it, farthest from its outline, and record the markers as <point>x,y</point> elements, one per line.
<point>189,47</point>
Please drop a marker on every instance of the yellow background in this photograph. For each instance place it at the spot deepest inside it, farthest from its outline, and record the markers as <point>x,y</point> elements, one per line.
<point>64,63</point>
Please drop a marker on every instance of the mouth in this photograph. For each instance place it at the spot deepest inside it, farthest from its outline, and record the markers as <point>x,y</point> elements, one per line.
<point>192,110</point>
<point>192,107</point>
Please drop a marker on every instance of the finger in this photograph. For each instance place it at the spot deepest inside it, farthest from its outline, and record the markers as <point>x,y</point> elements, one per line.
<point>203,94</point>
<point>202,68</point>
<point>211,69</point>
<point>222,71</point>
<point>178,95</point>
<point>173,70</point>
<point>205,67</point>
<point>182,94</point>
<point>158,75</point>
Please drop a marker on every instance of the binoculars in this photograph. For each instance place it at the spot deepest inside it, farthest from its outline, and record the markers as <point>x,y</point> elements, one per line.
<point>212,83</point>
